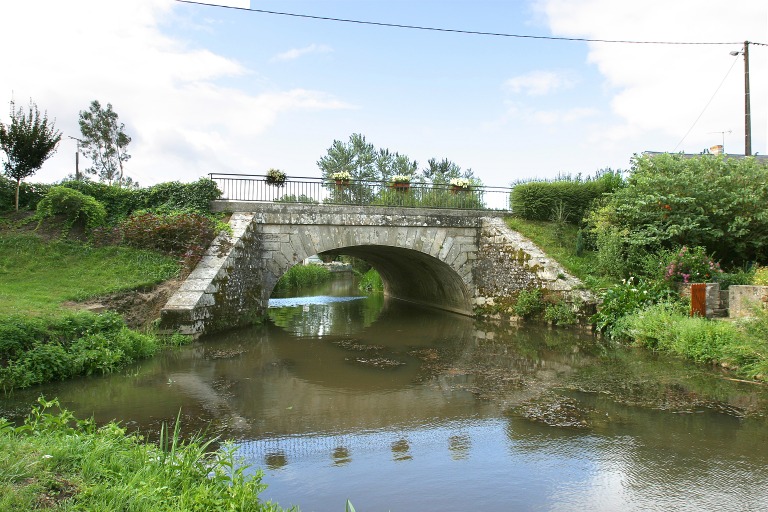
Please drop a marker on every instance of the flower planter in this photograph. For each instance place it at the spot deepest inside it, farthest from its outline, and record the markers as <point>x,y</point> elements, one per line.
<point>400,187</point>
<point>455,189</point>
<point>342,183</point>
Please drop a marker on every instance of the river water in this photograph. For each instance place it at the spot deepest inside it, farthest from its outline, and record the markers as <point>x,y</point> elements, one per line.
<point>396,407</point>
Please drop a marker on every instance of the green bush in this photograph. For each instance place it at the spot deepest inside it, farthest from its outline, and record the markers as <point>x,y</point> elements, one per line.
<point>760,277</point>
<point>182,235</point>
<point>692,265</point>
<point>669,201</point>
<point>537,200</point>
<point>529,303</point>
<point>560,313</point>
<point>119,202</point>
<point>625,298</point>
<point>190,197</point>
<point>77,207</point>
<point>35,350</point>
<point>29,194</point>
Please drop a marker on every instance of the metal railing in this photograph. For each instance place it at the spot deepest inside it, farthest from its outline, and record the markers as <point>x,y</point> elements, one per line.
<point>253,187</point>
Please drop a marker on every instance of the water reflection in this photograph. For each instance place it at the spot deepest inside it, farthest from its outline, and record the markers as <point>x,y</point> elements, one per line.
<point>399,408</point>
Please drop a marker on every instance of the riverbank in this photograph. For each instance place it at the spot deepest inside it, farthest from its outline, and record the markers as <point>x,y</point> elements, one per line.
<point>55,461</point>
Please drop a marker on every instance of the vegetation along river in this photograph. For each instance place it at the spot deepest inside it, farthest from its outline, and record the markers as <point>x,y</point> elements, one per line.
<point>341,396</point>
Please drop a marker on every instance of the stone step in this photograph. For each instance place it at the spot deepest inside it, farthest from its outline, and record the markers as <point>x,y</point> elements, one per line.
<point>720,313</point>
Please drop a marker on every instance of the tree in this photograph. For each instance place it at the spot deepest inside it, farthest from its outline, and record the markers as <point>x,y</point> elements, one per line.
<point>441,173</point>
<point>28,141</point>
<point>104,142</point>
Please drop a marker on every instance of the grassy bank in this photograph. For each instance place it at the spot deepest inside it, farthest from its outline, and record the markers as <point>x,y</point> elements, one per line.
<point>559,241</point>
<point>647,313</point>
<point>41,341</point>
<point>36,277</point>
<point>56,462</point>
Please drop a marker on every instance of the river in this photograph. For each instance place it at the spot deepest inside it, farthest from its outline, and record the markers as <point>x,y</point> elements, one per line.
<point>396,407</point>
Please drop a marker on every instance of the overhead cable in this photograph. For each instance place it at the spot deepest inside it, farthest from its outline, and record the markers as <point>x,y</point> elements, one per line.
<point>459,31</point>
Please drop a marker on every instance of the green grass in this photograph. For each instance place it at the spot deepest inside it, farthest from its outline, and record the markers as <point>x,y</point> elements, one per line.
<point>36,277</point>
<point>55,461</point>
<point>741,346</point>
<point>299,276</point>
<point>559,242</point>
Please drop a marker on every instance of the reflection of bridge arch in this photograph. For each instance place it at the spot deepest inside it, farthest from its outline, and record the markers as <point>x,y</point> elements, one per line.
<point>449,259</point>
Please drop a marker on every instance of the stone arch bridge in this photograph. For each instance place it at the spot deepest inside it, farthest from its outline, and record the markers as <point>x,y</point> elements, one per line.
<point>456,260</point>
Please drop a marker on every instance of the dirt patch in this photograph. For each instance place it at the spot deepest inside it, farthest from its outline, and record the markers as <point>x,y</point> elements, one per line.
<point>139,308</point>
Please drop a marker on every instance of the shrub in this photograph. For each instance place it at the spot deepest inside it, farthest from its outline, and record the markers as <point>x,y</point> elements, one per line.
<point>29,194</point>
<point>760,277</point>
<point>536,200</point>
<point>560,313</point>
<point>190,197</point>
<point>669,201</point>
<point>119,202</point>
<point>529,303</point>
<point>34,350</point>
<point>77,207</point>
<point>625,298</point>
<point>183,235</point>
<point>691,266</point>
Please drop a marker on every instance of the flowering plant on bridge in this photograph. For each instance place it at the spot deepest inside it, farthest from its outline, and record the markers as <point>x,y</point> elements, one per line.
<point>275,177</point>
<point>400,178</point>
<point>462,183</point>
<point>341,176</point>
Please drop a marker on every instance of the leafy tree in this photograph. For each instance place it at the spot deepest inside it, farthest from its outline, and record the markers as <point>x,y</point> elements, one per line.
<point>669,201</point>
<point>28,141</point>
<point>442,172</point>
<point>105,143</point>
<point>357,157</point>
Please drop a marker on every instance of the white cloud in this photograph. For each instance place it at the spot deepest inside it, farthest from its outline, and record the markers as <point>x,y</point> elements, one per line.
<point>300,52</point>
<point>183,120</point>
<point>662,89</point>
<point>539,83</point>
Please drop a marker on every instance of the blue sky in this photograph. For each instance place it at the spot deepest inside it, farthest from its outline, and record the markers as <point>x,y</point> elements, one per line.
<point>209,89</point>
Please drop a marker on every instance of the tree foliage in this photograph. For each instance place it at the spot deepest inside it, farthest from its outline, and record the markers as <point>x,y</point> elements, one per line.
<point>718,203</point>
<point>104,143</point>
<point>27,141</point>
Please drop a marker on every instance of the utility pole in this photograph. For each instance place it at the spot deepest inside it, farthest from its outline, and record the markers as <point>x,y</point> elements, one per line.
<point>747,110</point>
<point>77,157</point>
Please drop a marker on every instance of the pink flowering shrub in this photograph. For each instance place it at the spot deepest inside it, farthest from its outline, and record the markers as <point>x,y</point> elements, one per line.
<point>692,266</point>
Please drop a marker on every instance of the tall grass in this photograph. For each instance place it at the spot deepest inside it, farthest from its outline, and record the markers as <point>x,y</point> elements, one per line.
<point>55,460</point>
<point>742,346</point>
<point>371,281</point>
<point>300,276</point>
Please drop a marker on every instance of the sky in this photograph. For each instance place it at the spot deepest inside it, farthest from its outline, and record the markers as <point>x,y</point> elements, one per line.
<point>205,89</point>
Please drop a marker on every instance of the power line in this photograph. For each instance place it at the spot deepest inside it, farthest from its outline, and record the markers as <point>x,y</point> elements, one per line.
<point>707,105</point>
<point>457,31</point>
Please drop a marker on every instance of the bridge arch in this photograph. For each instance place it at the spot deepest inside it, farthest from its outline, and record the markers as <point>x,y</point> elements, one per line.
<point>414,276</point>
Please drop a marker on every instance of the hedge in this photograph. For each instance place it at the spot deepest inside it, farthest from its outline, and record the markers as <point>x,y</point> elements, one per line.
<point>539,200</point>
